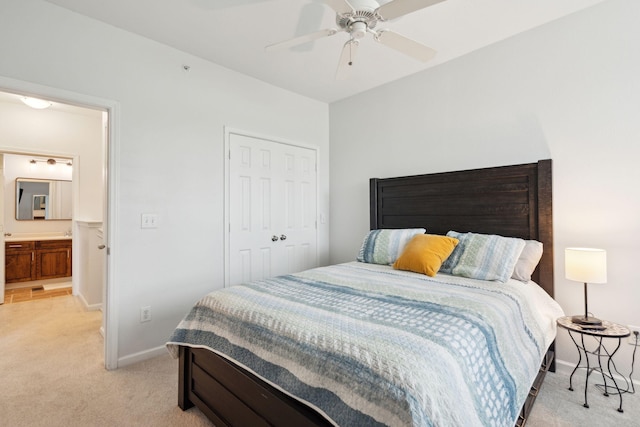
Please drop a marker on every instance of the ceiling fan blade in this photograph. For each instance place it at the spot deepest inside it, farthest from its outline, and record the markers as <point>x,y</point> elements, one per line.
<point>302,39</point>
<point>223,4</point>
<point>340,6</point>
<point>397,8</point>
<point>310,20</point>
<point>405,45</point>
<point>346,59</point>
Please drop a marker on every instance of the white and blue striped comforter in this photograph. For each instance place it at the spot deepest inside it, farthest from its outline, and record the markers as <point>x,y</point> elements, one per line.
<point>367,345</point>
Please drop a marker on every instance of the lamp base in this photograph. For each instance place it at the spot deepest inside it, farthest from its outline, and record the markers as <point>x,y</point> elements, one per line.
<point>589,320</point>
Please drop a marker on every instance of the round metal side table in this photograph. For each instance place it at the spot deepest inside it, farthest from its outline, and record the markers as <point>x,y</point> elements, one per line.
<point>608,330</point>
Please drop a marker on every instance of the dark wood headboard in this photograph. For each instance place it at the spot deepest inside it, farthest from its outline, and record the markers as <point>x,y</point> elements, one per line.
<point>513,201</point>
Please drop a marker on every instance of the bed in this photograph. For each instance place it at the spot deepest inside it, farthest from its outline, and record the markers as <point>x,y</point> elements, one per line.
<point>343,368</point>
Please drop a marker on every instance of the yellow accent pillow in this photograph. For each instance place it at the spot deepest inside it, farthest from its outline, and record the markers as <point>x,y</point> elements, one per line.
<point>425,253</point>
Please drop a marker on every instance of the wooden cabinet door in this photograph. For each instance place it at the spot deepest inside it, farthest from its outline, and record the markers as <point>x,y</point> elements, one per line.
<point>53,259</point>
<point>20,263</point>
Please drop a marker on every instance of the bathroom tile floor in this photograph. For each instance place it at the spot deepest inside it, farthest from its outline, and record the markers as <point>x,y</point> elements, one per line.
<point>12,296</point>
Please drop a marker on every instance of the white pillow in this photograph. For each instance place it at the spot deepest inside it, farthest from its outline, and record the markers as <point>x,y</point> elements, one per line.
<point>528,260</point>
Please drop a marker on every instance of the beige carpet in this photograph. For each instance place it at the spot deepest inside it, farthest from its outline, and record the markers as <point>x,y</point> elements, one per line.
<point>52,372</point>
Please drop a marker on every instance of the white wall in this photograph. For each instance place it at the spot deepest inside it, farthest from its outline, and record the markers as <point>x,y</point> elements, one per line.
<point>568,91</point>
<point>170,136</point>
<point>91,264</point>
<point>54,132</point>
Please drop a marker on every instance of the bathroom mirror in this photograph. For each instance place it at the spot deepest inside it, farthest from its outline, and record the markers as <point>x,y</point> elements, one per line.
<point>43,199</point>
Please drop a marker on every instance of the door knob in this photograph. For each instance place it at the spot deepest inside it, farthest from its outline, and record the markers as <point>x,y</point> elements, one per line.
<point>101,246</point>
<point>274,238</point>
<point>283,237</point>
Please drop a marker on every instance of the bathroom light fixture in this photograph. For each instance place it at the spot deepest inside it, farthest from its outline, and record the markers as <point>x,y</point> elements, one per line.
<point>38,104</point>
<point>51,162</point>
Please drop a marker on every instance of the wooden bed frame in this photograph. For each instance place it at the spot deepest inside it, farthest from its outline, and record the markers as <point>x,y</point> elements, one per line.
<point>511,201</point>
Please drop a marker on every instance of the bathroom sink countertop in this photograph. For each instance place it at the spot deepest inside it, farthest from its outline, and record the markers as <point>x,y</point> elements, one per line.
<point>24,238</point>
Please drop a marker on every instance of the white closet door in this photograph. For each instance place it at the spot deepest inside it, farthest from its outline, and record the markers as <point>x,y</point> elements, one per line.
<point>272,208</point>
<point>299,210</point>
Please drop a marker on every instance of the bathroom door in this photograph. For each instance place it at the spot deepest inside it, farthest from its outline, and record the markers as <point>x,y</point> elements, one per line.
<point>272,198</point>
<point>2,229</point>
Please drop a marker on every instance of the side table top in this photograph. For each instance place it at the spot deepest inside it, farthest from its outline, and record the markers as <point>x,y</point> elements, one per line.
<point>612,330</point>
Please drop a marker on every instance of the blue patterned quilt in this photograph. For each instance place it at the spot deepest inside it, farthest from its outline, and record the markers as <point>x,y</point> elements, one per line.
<point>367,345</point>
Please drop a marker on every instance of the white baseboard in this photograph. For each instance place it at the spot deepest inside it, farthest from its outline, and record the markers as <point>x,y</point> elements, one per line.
<point>565,368</point>
<point>141,356</point>
<point>89,307</point>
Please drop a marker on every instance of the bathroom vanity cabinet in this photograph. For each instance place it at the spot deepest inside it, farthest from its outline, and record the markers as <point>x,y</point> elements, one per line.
<point>19,261</point>
<point>37,260</point>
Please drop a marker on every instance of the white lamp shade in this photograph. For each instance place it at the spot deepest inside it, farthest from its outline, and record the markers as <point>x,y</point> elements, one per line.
<point>585,265</point>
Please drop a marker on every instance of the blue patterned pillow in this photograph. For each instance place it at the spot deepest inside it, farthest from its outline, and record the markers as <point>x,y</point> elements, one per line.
<point>385,246</point>
<point>488,257</point>
<point>452,260</point>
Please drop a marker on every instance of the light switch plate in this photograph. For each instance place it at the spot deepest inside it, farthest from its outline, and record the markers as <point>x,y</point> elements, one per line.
<point>149,220</point>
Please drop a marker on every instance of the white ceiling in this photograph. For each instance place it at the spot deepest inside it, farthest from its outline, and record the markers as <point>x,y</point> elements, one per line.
<point>233,33</point>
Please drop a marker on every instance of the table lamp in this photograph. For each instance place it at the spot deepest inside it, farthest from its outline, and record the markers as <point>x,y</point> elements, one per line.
<point>585,265</point>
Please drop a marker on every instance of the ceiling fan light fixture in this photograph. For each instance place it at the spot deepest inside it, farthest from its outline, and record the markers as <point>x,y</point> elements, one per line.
<point>358,30</point>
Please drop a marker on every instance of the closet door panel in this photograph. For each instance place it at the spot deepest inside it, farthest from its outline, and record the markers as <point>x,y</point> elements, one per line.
<point>272,208</point>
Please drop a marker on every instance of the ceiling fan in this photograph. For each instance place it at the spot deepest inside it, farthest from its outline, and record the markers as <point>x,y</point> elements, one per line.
<point>359,18</point>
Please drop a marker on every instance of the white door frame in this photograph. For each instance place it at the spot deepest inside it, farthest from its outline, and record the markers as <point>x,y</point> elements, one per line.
<point>2,254</point>
<point>228,131</point>
<point>110,304</point>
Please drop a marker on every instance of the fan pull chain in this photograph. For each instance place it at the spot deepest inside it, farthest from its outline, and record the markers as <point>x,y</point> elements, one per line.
<point>350,54</point>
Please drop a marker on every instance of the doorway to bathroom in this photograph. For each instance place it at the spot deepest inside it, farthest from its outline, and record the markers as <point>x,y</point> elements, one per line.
<point>75,132</point>
<point>38,224</point>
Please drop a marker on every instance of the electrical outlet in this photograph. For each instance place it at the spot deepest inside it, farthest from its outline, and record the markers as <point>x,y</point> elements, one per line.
<point>145,314</point>
<point>634,338</point>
